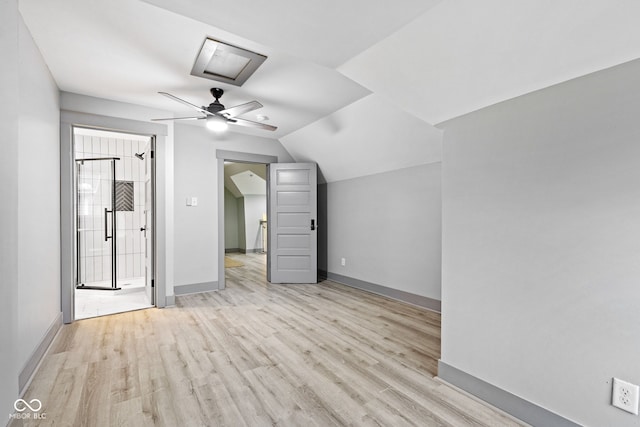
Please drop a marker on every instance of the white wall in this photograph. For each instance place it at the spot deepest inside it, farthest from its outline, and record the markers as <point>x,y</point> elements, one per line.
<point>196,172</point>
<point>9,117</point>
<point>39,198</point>
<point>387,227</point>
<point>541,244</point>
<point>255,206</point>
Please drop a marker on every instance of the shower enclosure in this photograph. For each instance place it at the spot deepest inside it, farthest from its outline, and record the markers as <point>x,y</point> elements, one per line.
<point>96,223</point>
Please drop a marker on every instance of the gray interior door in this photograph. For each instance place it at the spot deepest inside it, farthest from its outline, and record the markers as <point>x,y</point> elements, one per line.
<point>292,223</point>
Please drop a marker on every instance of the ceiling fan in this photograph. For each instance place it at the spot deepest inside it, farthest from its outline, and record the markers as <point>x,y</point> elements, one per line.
<point>217,116</point>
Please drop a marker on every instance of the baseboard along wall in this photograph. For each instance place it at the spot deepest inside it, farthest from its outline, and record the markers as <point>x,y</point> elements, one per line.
<point>510,403</point>
<point>193,289</point>
<point>396,294</point>
<point>31,365</point>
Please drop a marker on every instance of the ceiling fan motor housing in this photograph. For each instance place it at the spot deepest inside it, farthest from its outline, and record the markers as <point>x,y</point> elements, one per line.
<point>216,106</point>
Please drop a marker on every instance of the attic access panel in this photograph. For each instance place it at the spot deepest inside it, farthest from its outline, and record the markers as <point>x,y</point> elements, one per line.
<point>226,63</point>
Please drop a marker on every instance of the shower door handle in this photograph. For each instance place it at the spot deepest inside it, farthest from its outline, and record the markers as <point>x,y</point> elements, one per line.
<point>106,234</point>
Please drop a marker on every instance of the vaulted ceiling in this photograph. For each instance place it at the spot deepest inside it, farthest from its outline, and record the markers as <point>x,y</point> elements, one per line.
<point>356,86</point>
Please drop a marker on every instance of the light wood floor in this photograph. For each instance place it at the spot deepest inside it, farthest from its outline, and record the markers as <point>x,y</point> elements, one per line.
<point>255,354</point>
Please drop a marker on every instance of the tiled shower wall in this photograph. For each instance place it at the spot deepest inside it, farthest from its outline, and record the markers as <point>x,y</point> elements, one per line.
<point>95,195</point>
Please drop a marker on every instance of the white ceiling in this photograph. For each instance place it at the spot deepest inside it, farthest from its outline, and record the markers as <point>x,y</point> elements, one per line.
<point>249,184</point>
<point>425,61</point>
<point>259,171</point>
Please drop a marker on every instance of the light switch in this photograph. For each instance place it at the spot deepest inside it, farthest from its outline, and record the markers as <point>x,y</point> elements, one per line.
<point>194,201</point>
<point>188,201</point>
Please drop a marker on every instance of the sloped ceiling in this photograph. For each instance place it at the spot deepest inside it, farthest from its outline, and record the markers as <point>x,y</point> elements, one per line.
<point>233,169</point>
<point>356,86</point>
<point>464,55</point>
<point>249,184</point>
<point>385,138</point>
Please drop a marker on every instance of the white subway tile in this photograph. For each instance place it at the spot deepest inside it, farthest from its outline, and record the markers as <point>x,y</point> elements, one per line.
<point>120,220</point>
<point>112,147</point>
<point>137,236</point>
<point>89,277</point>
<point>136,265</point>
<point>128,220</point>
<point>121,243</point>
<point>122,266</point>
<point>95,146</point>
<point>128,164</point>
<point>129,240</point>
<point>78,144</point>
<point>127,148</point>
<point>136,221</point>
<point>104,146</point>
<point>98,242</point>
<point>135,169</point>
<point>119,170</point>
<point>129,266</point>
<point>97,268</point>
<point>106,268</point>
<point>89,243</point>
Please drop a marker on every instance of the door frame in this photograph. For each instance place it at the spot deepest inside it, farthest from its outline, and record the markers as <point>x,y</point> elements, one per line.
<point>69,120</point>
<point>239,157</point>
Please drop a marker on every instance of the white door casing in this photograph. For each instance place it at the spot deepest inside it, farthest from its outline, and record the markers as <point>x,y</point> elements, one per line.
<point>148,223</point>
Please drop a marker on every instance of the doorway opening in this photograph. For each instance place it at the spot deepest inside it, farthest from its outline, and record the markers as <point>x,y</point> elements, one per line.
<point>245,219</point>
<point>114,187</point>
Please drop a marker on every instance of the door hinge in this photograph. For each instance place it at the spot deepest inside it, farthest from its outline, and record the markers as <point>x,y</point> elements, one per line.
<point>152,154</point>
<point>153,283</point>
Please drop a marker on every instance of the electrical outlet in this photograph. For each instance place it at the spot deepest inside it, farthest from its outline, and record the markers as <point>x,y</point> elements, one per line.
<point>625,396</point>
<point>343,261</point>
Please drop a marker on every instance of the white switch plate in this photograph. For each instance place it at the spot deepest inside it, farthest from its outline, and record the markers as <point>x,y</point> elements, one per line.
<point>343,262</point>
<point>194,201</point>
<point>625,396</point>
<point>188,201</point>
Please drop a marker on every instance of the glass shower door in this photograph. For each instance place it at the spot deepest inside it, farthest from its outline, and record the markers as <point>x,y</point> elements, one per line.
<point>96,224</point>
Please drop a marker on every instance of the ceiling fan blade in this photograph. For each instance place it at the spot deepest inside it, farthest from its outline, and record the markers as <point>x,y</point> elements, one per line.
<point>182,101</point>
<point>250,124</point>
<point>238,110</point>
<point>179,118</point>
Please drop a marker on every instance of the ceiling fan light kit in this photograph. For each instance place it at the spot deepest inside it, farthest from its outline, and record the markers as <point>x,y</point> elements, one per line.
<point>217,124</point>
<point>217,116</point>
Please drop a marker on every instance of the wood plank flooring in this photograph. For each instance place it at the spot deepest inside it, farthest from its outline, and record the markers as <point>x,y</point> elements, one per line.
<point>255,354</point>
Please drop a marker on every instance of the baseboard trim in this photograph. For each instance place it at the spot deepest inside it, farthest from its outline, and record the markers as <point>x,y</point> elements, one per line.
<point>396,294</point>
<point>251,251</point>
<point>31,365</point>
<point>170,300</point>
<point>232,250</point>
<point>510,403</point>
<point>195,288</point>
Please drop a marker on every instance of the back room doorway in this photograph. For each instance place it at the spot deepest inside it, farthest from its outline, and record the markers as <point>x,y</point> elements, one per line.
<point>245,220</point>
<point>114,185</point>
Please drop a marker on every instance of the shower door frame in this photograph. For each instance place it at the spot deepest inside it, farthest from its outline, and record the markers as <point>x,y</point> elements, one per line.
<point>114,227</point>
